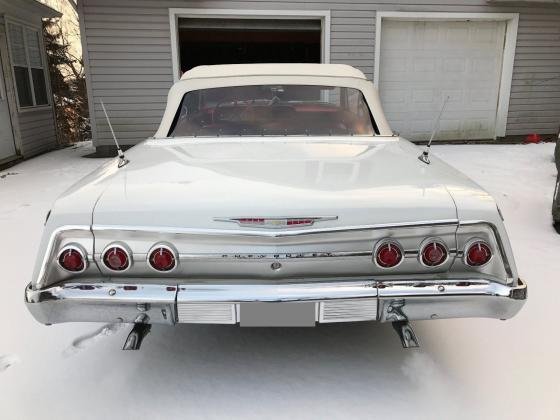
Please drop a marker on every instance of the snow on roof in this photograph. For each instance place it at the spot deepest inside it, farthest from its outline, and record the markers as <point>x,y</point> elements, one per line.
<point>229,70</point>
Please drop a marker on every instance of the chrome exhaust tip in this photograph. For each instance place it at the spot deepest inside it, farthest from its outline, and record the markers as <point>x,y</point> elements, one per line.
<point>139,331</point>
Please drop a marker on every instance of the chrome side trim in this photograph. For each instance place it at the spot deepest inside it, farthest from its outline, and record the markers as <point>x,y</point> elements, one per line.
<point>276,256</point>
<point>499,241</point>
<point>49,252</point>
<point>278,233</point>
<point>411,253</point>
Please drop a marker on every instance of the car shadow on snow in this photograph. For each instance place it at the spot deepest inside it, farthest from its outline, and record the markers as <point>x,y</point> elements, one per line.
<point>321,359</point>
<point>340,371</point>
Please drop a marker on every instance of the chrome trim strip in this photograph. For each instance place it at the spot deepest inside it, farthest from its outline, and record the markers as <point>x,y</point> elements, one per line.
<point>277,256</point>
<point>49,251</point>
<point>445,288</point>
<point>292,255</point>
<point>501,247</point>
<point>280,233</point>
<point>288,292</point>
<point>239,221</point>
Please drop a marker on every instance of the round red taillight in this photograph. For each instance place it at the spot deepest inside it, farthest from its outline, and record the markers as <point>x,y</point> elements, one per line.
<point>433,254</point>
<point>478,253</point>
<point>162,259</point>
<point>116,258</point>
<point>388,254</point>
<point>72,259</point>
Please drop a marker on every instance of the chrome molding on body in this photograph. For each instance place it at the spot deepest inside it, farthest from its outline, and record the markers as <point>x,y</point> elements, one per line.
<point>264,222</point>
<point>50,251</point>
<point>273,234</point>
<point>306,255</point>
<point>499,241</point>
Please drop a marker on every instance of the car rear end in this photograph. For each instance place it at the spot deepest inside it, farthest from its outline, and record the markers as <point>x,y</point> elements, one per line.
<point>299,276</point>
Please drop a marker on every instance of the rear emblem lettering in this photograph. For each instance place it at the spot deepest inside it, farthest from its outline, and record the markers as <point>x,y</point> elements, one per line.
<point>275,222</point>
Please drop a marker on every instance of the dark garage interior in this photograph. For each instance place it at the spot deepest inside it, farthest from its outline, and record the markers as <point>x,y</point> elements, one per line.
<point>237,41</point>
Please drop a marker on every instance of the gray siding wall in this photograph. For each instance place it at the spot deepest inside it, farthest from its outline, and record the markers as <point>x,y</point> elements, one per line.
<point>37,131</point>
<point>129,48</point>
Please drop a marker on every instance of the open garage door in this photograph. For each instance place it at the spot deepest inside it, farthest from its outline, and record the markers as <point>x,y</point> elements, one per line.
<point>423,62</point>
<point>238,41</point>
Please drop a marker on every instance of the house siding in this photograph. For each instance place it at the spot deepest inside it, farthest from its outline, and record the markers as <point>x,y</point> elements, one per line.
<point>129,55</point>
<point>38,134</point>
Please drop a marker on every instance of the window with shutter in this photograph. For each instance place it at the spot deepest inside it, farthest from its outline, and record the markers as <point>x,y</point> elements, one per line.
<point>27,62</point>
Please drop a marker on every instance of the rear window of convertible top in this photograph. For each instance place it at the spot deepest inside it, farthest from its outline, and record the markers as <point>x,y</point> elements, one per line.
<point>273,110</point>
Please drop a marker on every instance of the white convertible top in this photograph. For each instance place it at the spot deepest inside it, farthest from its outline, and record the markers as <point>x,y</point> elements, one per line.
<point>208,77</point>
<point>291,69</point>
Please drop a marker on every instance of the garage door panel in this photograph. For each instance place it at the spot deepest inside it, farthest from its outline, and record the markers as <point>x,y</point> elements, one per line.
<point>456,32</point>
<point>394,99</point>
<point>455,65</point>
<point>453,127</point>
<point>423,97</point>
<point>398,31</point>
<point>485,32</point>
<point>423,62</point>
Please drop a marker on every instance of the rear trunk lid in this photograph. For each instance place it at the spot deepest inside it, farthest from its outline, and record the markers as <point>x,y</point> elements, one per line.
<point>197,183</point>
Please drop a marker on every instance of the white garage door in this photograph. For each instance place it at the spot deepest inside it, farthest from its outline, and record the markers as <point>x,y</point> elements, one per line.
<point>423,62</point>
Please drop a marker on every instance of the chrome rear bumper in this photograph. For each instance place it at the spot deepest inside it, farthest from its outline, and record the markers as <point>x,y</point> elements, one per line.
<point>220,303</point>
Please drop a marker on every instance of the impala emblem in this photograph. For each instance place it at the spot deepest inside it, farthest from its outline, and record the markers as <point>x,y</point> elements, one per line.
<point>275,222</point>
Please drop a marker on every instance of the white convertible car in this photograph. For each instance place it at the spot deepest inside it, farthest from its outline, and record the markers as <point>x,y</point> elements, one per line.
<point>274,195</point>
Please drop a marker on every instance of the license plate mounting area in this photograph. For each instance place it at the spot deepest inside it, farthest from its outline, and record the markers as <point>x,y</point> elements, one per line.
<point>277,314</point>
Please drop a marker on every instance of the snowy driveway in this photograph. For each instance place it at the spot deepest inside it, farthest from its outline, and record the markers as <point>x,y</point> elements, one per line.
<point>464,369</point>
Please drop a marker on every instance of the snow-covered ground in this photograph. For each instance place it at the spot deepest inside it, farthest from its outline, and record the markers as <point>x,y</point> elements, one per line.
<point>465,368</point>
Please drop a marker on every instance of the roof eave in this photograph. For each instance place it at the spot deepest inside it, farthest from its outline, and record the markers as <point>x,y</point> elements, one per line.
<point>29,7</point>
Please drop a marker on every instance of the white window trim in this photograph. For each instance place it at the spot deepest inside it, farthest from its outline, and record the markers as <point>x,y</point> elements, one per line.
<point>39,30</point>
<point>175,13</point>
<point>512,22</point>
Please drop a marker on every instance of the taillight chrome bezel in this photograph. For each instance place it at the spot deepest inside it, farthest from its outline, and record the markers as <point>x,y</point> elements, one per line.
<point>427,242</point>
<point>468,246</point>
<point>380,244</point>
<point>123,248</point>
<point>170,249</point>
<point>80,250</point>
